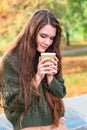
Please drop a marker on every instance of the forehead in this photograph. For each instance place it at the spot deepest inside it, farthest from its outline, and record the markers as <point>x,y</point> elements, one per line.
<point>48,30</point>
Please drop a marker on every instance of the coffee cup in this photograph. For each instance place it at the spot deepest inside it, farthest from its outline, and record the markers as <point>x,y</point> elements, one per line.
<point>50,55</point>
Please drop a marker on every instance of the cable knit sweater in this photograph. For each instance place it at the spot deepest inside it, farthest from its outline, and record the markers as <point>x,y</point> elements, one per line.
<point>37,114</point>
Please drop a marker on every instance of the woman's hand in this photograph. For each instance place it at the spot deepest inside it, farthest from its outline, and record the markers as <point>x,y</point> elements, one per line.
<point>53,69</point>
<point>46,67</point>
<point>43,68</point>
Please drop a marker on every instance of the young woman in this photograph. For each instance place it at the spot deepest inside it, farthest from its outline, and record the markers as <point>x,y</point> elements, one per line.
<point>32,87</point>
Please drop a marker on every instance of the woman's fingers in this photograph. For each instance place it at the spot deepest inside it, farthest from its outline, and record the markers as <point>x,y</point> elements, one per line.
<point>47,66</point>
<point>55,61</point>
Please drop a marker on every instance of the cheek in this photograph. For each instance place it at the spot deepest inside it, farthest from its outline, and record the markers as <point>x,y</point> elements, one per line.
<point>51,42</point>
<point>38,40</point>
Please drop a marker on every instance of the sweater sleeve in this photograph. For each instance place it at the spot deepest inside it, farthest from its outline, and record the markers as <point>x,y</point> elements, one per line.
<point>10,88</point>
<point>13,106</point>
<point>57,87</point>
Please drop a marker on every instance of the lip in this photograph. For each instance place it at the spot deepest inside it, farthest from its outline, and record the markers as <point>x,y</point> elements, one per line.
<point>44,47</point>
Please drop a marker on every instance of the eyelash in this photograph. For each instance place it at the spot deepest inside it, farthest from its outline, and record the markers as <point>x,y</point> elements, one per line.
<point>43,36</point>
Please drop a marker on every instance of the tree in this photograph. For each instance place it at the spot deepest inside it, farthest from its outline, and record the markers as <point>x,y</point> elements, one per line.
<point>76,18</point>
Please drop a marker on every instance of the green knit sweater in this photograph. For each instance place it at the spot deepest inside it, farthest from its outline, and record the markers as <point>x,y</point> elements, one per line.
<point>38,113</point>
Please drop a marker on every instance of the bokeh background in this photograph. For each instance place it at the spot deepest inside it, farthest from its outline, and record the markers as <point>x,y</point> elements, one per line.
<point>72,15</point>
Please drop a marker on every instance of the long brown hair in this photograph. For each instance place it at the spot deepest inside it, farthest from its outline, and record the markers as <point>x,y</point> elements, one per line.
<point>25,47</point>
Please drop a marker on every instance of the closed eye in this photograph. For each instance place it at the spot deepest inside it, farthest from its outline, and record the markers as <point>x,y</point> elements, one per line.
<point>43,35</point>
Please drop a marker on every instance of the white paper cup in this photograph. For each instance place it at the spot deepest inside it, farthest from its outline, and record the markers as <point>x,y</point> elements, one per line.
<point>50,55</point>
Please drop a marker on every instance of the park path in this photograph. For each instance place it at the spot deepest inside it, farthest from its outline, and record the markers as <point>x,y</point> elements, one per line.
<point>74,51</point>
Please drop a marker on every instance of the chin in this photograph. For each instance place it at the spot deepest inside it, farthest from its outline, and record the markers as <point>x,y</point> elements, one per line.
<point>41,50</point>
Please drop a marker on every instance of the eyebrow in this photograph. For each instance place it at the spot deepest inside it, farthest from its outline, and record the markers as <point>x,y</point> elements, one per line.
<point>46,34</point>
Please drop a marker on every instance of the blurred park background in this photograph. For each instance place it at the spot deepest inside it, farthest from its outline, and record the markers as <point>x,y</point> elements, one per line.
<point>72,15</point>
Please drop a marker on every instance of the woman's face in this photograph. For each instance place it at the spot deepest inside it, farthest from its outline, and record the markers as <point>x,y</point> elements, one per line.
<point>45,37</point>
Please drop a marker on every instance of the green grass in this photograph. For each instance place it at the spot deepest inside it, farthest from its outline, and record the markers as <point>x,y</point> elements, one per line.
<point>75,75</point>
<point>78,79</point>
